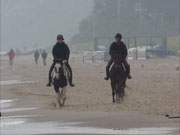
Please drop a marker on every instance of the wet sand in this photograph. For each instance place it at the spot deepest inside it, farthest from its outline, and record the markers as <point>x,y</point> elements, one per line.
<point>62,122</point>
<point>152,93</point>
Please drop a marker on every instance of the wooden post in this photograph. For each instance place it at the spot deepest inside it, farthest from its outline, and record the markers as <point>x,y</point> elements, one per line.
<point>128,43</point>
<point>95,44</point>
<point>135,43</point>
<point>93,59</point>
<point>83,59</point>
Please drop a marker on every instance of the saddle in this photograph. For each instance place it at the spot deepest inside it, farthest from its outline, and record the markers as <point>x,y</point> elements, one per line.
<point>119,65</point>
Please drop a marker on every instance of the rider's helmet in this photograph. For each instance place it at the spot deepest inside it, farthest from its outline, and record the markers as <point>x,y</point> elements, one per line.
<point>60,37</point>
<point>118,36</point>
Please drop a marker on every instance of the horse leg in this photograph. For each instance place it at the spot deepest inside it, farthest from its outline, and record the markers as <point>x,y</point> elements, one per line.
<point>59,98</point>
<point>58,95</point>
<point>118,93</point>
<point>123,89</point>
<point>122,86</point>
<point>122,93</point>
<point>63,95</point>
<point>113,94</point>
<point>113,91</point>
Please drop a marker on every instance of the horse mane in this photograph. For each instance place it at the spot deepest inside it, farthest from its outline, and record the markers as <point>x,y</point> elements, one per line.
<point>117,58</point>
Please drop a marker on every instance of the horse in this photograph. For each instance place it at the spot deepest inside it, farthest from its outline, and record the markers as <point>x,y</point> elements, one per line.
<point>118,77</point>
<point>60,81</point>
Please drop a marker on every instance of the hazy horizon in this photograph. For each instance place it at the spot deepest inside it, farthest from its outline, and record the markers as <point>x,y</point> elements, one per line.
<point>37,22</point>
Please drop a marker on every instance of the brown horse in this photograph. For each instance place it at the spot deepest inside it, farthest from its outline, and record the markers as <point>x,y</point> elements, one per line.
<point>118,76</point>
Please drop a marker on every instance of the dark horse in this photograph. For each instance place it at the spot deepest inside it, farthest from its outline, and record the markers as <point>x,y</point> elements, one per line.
<point>59,78</point>
<point>118,76</point>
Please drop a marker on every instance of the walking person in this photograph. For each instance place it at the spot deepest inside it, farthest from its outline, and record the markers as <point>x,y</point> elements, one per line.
<point>44,56</point>
<point>36,56</point>
<point>11,55</point>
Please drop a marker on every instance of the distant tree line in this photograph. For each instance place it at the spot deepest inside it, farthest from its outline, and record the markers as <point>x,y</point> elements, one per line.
<point>130,17</point>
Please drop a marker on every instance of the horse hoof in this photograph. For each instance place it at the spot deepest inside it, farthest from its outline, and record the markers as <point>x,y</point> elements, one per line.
<point>64,101</point>
<point>59,103</point>
<point>118,101</point>
<point>113,101</point>
<point>53,104</point>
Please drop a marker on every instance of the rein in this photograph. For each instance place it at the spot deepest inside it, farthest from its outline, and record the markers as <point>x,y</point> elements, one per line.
<point>120,65</point>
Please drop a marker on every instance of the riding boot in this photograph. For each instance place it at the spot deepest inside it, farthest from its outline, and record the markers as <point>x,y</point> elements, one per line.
<point>107,69</point>
<point>129,72</point>
<point>70,81</point>
<point>49,83</point>
<point>107,74</point>
<point>70,75</point>
<point>128,69</point>
<point>50,74</point>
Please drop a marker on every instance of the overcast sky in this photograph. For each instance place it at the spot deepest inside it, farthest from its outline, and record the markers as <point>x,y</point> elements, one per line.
<point>37,22</point>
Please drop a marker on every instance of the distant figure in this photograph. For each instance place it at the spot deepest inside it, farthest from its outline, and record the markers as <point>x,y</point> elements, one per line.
<point>11,55</point>
<point>36,56</point>
<point>44,55</point>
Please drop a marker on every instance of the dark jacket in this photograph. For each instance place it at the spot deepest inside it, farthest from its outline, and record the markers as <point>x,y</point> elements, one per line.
<point>44,54</point>
<point>36,54</point>
<point>118,48</point>
<point>61,51</point>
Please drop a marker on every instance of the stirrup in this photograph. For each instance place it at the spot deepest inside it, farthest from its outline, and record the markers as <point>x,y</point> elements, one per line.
<point>106,78</point>
<point>48,85</point>
<point>129,76</point>
<point>71,84</point>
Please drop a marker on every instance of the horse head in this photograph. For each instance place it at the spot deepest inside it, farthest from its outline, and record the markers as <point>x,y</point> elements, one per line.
<point>58,70</point>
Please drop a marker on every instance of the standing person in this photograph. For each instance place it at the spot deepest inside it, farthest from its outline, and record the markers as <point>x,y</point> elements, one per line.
<point>44,55</point>
<point>118,47</point>
<point>36,56</point>
<point>11,55</point>
<point>60,52</point>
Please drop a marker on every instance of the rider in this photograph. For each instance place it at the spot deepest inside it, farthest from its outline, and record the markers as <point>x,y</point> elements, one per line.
<point>60,52</point>
<point>118,47</point>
